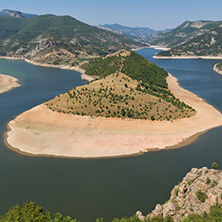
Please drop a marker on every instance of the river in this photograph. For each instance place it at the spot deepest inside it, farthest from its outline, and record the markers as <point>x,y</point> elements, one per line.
<point>88,189</point>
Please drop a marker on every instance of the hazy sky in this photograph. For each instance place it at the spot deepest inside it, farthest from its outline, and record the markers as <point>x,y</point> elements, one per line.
<point>156,14</point>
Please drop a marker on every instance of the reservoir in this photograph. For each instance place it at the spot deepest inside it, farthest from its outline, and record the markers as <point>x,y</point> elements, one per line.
<point>86,189</point>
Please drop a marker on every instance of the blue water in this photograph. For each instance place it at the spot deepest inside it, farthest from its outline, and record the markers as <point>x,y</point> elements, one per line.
<point>88,189</point>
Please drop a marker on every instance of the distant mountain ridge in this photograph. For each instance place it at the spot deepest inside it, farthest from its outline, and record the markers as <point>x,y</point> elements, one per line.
<point>17,14</point>
<point>207,44</point>
<point>141,34</point>
<point>183,33</point>
<point>57,40</point>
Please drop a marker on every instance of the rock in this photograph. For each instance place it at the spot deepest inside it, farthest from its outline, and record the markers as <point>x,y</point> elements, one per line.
<point>140,215</point>
<point>158,210</point>
<point>184,201</point>
<point>169,209</point>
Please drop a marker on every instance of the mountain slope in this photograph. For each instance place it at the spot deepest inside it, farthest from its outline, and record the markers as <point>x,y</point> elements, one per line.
<point>129,86</point>
<point>141,34</point>
<point>183,33</point>
<point>208,44</point>
<point>17,14</point>
<point>57,39</point>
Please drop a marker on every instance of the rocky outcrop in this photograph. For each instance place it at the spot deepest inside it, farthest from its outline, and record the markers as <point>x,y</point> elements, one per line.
<point>199,190</point>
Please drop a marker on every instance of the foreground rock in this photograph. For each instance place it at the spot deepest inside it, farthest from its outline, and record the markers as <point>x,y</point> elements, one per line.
<point>199,190</point>
<point>7,83</point>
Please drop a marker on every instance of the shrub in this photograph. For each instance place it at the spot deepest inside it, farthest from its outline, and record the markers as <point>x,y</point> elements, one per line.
<point>201,196</point>
<point>208,180</point>
<point>214,165</point>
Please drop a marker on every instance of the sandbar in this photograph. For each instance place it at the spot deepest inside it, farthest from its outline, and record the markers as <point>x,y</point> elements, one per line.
<point>7,83</point>
<point>40,131</point>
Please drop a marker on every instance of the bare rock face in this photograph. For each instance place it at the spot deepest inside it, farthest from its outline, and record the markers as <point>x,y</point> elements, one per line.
<point>199,190</point>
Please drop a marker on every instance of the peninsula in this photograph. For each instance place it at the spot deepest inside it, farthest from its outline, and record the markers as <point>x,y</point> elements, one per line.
<point>134,106</point>
<point>7,83</point>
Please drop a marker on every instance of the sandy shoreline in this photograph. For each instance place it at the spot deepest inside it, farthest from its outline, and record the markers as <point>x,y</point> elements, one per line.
<point>159,47</point>
<point>75,68</point>
<point>40,131</point>
<point>217,70</point>
<point>187,57</point>
<point>7,83</point>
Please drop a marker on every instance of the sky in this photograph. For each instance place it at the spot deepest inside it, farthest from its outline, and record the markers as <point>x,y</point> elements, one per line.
<point>155,14</point>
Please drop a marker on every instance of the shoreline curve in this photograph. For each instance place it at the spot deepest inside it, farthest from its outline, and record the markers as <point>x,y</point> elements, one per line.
<point>217,70</point>
<point>187,57</point>
<point>7,83</point>
<point>42,132</point>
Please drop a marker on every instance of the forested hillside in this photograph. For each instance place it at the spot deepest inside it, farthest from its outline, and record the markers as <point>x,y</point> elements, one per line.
<point>57,39</point>
<point>208,44</point>
<point>128,86</point>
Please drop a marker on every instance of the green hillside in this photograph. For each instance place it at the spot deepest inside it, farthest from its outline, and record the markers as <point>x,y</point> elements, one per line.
<point>54,39</point>
<point>208,44</point>
<point>183,33</point>
<point>128,86</point>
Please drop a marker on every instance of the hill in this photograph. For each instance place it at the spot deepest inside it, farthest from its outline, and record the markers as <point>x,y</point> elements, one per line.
<point>208,44</point>
<point>183,33</point>
<point>129,86</point>
<point>54,39</point>
<point>17,14</point>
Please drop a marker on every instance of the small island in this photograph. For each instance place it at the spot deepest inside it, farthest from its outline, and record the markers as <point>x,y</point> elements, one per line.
<point>218,68</point>
<point>7,83</point>
<point>132,107</point>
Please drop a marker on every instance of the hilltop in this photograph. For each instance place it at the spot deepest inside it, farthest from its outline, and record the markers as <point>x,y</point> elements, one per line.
<point>57,40</point>
<point>129,86</point>
<point>208,44</point>
<point>183,33</point>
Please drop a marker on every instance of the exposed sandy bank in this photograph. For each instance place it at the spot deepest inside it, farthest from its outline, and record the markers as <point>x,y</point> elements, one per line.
<point>7,83</point>
<point>217,70</point>
<point>40,131</point>
<point>160,47</point>
<point>187,57</point>
<point>75,68</point>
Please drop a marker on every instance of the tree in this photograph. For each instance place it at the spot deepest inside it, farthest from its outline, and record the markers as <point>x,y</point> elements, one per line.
<point>123,112</point>
<point>214,165</point>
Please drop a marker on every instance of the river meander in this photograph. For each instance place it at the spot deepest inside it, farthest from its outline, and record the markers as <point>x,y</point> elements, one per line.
<point>88,189</point>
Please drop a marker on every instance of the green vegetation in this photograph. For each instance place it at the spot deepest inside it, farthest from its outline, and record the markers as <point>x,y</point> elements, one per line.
<point>183,33</point>
<point>207,44</point>
<point>35,37</point>
<point>131,64</point>
<point>31,213</point>
<point>208,180</point>
<point>219,66</point>
<point>129,87</point>
<point>201,196</point>
<point>214,165</point>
